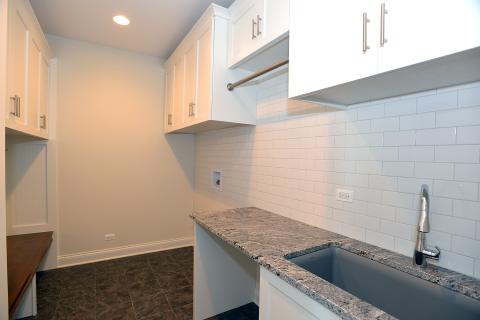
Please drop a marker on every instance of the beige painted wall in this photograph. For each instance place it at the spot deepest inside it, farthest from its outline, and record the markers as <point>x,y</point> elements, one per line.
<point>3,99</point>
<point>117,171</point>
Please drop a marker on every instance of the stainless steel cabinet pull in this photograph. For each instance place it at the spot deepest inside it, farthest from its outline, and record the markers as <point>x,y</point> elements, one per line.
<point>365,46</point>
<point>191,109</point>
<point>14,111</point>
<point>253,29</point>
<point>383,12</point>
<point>169,121</point>
<point>19,106</point>
<point>43,121</point>
<point>258,25</point>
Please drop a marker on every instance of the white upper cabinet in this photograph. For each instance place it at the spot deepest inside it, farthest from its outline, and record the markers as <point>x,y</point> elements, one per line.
<point>370,49</point>
<point>255,26</point>
<point>417,31</point>
<point>196,95</point>
<point>28,60</point>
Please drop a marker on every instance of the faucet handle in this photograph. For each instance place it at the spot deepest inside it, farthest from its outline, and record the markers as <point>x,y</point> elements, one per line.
<point>432,253</point>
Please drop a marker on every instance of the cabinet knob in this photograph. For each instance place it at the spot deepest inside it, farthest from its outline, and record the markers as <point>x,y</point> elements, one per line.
<point>253,29</point>
<point>13,111</point>
<point>365,46</point>
<point>169,120</point>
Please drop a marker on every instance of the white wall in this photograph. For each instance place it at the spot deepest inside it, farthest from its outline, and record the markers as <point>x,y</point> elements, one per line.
<point>117,172</point>
<point>3,219</point>
<point>291,164</point>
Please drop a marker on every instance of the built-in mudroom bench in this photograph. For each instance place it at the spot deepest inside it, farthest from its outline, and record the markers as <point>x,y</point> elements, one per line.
<point>25,253</point>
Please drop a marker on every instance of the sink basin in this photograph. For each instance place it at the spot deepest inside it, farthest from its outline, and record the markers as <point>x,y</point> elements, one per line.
<point>397,293</point>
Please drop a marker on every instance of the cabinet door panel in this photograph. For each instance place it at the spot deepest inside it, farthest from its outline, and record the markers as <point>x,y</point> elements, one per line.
<point>326,43</point>
<point>169,92</point>
<point>44,88</point>
<point>244,38</point>
<point>178,90</point>
<point>33,98</point>
<point>276,21</point>
<point>190,83</point>
<point>17,61</point>
<point>204,77</point>
<point>418,31</point>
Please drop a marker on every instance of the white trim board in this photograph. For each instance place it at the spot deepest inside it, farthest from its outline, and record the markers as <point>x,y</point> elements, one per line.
<point>124,251</point>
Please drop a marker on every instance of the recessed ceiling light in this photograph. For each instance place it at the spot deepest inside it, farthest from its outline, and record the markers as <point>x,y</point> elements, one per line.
<point>121,20</point>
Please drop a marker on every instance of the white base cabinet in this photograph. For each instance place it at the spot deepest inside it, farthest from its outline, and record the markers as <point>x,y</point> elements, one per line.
<point>280,301</point>
<point>197,74</point>
<point>28,64</point>
<point>371,49</point>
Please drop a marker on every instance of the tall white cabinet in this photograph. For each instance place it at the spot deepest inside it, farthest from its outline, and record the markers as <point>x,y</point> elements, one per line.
<point>28,63</point>
<point>196,77</point>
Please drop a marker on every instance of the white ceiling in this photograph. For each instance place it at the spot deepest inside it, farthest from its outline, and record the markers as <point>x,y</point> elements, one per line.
<point>156,26</point>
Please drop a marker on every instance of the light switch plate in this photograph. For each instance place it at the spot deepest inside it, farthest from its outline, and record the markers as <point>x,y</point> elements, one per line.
<point>345,195</point>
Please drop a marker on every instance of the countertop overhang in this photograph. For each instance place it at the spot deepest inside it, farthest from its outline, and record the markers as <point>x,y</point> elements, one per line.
<point>268,238</point>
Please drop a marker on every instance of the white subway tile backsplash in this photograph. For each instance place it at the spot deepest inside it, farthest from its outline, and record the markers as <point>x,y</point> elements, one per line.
<point>436,136</point>
<point>416,153</point>
<point>468,135</point>
<point>431,170</point>
<point>434,102</point>
<point>418,121</point>
<point>452,225</point>
<point>371,112</point>
<point>465,246</point>
<point>400,107</point>
<point>399,169</point>
<point>455,189</point>
<point>385,124</point>
<point>400,138</point>
<point>467,172</point>
<point>380,239</point>
<point>383,151</point>
<point>454,261</point>
<point>466,209</point>
<point>458,153</point>
<point>460,117</point>
<point>469,97</point>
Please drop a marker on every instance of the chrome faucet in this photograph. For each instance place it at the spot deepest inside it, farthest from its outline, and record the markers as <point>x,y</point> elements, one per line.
<point>421,253</point>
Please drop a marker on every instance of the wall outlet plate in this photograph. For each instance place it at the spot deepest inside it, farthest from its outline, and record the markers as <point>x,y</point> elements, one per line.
<point>345,195</point>
<point>109,236</point>
<point>217,181</point>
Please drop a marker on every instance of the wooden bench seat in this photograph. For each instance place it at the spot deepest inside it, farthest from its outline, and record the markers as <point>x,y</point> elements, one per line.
<point>24,254</point>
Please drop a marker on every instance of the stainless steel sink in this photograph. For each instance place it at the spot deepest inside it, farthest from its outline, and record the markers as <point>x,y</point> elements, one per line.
<point>397,293</point>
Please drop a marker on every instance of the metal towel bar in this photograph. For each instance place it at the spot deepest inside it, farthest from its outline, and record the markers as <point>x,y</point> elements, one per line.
<point>257,74</point>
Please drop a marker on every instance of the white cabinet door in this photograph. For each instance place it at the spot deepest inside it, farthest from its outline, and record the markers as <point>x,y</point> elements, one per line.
<point>17,64</point>
<point>331,42</point>
<point>169,93</point>
<point>33,97</point>
<point>43,94</point>
<point>247,25</point>
<point>418,31</point>
<point>190,98</point>
<point>277,18</point>
<point>281,301</point>
<point>203,103</point>
<point>179,72</point>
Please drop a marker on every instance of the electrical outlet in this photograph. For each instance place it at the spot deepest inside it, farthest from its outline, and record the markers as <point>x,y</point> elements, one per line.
<point>344,195</point>
<point>217,181</point>
<point>109,236</point>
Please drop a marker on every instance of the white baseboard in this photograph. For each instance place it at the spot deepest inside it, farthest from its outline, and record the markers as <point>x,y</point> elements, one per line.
<point>119,252</point>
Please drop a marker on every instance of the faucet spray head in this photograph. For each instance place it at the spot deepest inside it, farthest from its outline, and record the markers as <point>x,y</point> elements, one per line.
<point>424,222</point>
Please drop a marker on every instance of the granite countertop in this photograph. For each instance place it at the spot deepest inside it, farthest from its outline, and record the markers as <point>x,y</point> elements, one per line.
<point>268,238</point>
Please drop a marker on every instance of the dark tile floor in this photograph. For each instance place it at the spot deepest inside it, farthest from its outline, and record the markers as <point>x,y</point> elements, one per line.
<point>151,286</point>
